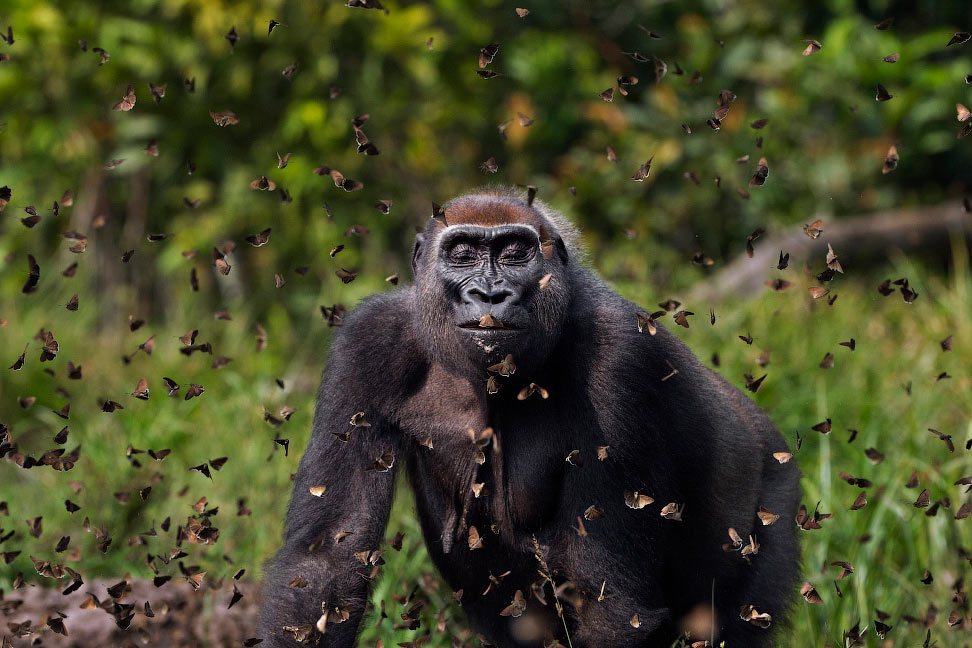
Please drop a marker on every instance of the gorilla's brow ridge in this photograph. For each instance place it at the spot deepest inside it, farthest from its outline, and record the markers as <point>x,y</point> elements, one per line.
<point>474,234</point>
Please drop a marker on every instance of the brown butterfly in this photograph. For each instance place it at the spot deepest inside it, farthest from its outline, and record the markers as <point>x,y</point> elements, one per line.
<point>19,363</point>
<point>195,580</point>
<point>384,462</point>
<point>593,512</point>
<point>661,68</point>
<point>259,240</point>
<point>809,522</point>
<point>759,619</point>
<point>127,102</point>
<point>475,541</point>
<point>219,260</point>
<point>574,458</point>
<point>532,389</point>
<point>345,183</point>
<point>810,594</point>
<point>753,384</point>
<point>642,172</point>
<point>194,390</point>
<point>647,322</point>
<point>49,351</point>
<point>672,511</point>
<point>814,229</point>
<point>823,427</point>
<point>487,54</point>
<point>766,516</point>
<point>141,390</point>
<point>263,184</point>
<point>224,117</point>
<point>505,367</point>
<point>73,372</point>
<point>105,56</point>
<point>364,144</point>
<point>762,172</point>
<point>681,318</point>
<point>33,275</point>
<point>923,499</point>
<point>957,39</point>
<point>158,91</point>
<point>890,160</point>
<point>624,80</point>
<point>636,500</point>
<point>813,47</point>
<point>517,607</point>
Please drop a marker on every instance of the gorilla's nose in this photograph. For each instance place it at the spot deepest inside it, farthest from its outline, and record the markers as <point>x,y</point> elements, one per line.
<point>490,296</point>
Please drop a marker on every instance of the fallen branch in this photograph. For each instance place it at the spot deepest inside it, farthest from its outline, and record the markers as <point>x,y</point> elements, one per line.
<point>859,241</point>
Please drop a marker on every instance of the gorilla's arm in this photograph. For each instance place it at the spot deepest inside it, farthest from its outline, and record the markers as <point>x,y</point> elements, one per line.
<point>323,533</point>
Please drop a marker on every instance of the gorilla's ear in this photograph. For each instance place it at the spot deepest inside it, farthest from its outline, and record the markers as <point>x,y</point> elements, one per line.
<point>561,249</point>
<point>417,253</point>
<point>558,243</point>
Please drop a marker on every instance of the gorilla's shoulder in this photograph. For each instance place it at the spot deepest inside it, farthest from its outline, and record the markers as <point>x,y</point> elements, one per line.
<point>377,336</point>
<point>607,325</point>
<point>380,308</point>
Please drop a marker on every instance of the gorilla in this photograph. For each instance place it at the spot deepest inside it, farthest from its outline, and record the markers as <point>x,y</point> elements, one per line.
<point>580,477</point>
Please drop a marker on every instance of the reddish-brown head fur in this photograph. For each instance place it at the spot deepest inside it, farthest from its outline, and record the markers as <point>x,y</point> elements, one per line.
<point>490,211</point>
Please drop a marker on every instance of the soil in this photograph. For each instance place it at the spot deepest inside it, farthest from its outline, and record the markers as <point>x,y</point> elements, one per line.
<point>183,617</point>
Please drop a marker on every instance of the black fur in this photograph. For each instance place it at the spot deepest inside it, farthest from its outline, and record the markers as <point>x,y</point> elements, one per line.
<point>691,439</point>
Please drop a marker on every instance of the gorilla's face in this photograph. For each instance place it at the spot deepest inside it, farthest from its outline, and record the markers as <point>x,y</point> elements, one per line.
<point>490,277</point>
<point>482,297</point>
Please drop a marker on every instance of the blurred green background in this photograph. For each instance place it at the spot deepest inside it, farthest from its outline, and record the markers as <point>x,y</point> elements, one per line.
<point>435,121</point>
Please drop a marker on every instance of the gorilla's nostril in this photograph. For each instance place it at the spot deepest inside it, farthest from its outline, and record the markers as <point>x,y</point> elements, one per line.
<point>497,296</point>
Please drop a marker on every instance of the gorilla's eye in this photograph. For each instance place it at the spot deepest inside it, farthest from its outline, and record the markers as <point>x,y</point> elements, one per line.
<point>515,254</point>
<point>463,254</point>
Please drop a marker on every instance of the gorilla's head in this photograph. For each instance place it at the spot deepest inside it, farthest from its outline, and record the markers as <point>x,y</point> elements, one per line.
<point>492,281</point>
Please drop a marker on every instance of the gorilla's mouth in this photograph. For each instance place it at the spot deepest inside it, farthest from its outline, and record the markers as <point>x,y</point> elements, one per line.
<point>476,326</point>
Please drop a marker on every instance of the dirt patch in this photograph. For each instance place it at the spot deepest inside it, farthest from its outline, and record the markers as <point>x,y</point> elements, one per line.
<point>183,617</point>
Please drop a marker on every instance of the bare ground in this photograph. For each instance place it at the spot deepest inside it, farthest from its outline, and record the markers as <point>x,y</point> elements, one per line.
<point>183,617</point>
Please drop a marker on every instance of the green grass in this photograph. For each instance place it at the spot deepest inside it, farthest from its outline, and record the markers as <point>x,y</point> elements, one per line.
<point>897,344</point>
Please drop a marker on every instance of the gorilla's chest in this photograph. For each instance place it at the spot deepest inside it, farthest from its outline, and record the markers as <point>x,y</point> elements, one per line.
<point>506,482</point>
